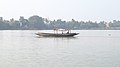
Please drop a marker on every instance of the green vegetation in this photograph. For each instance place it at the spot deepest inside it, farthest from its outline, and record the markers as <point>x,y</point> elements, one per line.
<point>38,23</point>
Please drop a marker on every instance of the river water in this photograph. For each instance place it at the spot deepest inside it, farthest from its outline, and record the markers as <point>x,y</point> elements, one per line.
<point>91,48</point>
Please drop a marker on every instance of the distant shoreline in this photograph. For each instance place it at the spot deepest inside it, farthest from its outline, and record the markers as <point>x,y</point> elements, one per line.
<point>38,23</point>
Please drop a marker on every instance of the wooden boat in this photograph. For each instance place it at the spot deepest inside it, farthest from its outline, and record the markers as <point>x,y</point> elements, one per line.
<point>56,34</point>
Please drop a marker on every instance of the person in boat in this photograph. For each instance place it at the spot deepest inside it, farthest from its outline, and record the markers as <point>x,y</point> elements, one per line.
<point>68,32</point>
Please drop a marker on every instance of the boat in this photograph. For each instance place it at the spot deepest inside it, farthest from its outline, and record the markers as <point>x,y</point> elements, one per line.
<point>58,34</point>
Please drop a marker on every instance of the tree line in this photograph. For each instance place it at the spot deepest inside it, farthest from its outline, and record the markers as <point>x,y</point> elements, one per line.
<point>38,23</point>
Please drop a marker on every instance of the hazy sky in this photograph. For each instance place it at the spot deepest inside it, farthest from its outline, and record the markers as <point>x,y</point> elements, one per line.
<point>94,10</point>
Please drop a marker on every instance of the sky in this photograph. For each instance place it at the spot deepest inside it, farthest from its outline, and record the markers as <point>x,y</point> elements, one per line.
<point>81,10</point>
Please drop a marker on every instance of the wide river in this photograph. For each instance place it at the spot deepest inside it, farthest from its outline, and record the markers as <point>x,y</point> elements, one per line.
<point>91,48</point>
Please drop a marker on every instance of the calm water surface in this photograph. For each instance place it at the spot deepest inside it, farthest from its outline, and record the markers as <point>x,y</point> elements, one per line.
<point>93,48</point>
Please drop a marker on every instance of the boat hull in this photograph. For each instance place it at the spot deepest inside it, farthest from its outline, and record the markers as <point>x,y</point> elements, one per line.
<point>57,35</point>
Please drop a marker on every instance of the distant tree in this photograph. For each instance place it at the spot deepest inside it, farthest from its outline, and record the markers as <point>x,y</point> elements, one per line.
<point>36,22</point>
<point>4,25</point>
<point>1,19</point>
<point>23,23</point>
<point>116,23</point>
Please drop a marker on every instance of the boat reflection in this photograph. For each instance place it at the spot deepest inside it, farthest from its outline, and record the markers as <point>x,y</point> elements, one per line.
<point>57,38</point>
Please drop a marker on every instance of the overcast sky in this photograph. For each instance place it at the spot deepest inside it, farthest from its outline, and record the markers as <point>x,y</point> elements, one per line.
<point>95,10</point>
